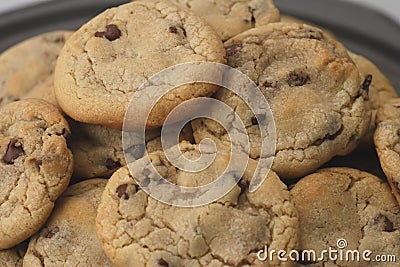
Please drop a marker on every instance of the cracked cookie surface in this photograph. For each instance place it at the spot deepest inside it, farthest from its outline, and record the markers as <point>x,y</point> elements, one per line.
<point>337,203</point>
<point>26,69</point>
<point>35,167</point>
<point>98,150</point>
<point>69,236</point>
<point>105,62</point>
<point>232,17</point>
<point>12,257</point>
<point>387,142</point>
<point>137,230</point>
<point>312,87</point>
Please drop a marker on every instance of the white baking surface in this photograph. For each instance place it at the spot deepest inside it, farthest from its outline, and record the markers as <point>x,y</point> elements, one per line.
<point>389,7</point>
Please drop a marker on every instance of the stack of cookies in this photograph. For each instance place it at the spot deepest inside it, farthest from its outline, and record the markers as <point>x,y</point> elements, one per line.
<point>69,197</point>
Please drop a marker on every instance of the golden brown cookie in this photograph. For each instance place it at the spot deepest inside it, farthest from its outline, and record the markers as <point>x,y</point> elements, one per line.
<point>232,17</point>
<point>69,236</point>
<point>26,69</point>
<point>347,209</point>
<point>35,167</point>
<point>137,230</point>
<point>381,89</point>
<point>387,142</point>
<point>106,61</point>
<point>313,89</point>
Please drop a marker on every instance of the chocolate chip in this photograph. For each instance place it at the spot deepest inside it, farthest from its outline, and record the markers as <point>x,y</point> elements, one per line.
<point>253,19</point>
<point>38,162</point>
<point>145,182</point>
<point>53,232</point>
<point>146,172</point>
<point>14,150</point>
<point>121,191</point>
<point>258,118</point>
<point>314,35</point>
<point>367,83</point>
<point>233,49</point>
<point>59,39</point>
<point>137,151</point>
<point>398,132</point>
<point>389,227</point>
<point>112,33</point>
<point>173,29</point>
<point>112,165</point>
<point>162,263</point>
<point>387,224</point>
<point>269,85</point>
<point>298,78</point>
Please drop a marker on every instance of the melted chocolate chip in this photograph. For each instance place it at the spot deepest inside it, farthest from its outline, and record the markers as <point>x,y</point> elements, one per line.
<point>173,29</point>
<point>298,78</point>
<point>53,232</point>
<point>269,85</point>
<point>398,132</point>
<point>146,172</point>
<point>59,39</point>
<point>14,150</point>
<point>112,33</point>
<point>112,165</point>
<point>314,35</point>
<point>121,191</point>
<point>387,224</point>
<point>253,19</point>
<point>38,162</point>
<point>367,83</point>
<point>145,182</point>
<point>258,118</point>
<point>137,151</point>
<point>233,49</point>
<point>162,263</point>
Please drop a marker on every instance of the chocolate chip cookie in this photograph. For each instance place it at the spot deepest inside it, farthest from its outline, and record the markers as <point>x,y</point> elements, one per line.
<point>231,17</point>
<point>137,230</point>
<point>35,167</point>
<point>313,89</point>
<point>105,62</point>
<point>347,204</point>
<point>380,88</point>
<point>387,142</point>
<point>28,67</point>
<point>69,236</point>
